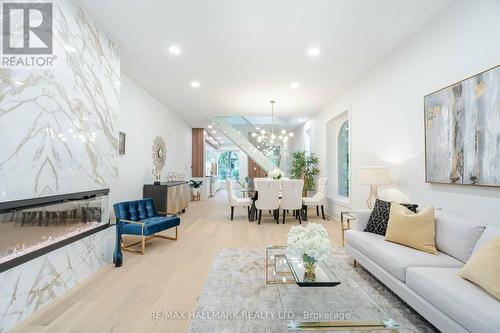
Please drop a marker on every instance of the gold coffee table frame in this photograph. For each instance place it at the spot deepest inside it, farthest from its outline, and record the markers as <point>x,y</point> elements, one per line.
<point>344,325</point>
<point>276,276</point>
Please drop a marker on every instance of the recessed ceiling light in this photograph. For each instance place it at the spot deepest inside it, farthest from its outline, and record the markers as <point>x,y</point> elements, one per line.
<point>312,52</point>
<point>294,85</point>
<point>18,83</point>
<point>174,49</point>
<point>209,126</point>
<point>214,132</point>
<point>195,84</point>
<point>218,138</point>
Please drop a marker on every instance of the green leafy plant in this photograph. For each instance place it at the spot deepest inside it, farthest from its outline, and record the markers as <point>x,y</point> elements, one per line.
<point>304,167</point>
<point>195,183</point>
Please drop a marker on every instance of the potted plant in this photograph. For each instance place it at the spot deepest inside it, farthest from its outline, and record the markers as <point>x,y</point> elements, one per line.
<point>195,186</point>
<point>304,167</point>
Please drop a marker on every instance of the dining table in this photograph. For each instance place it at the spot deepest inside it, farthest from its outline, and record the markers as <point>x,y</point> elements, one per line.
<point>254,195</point>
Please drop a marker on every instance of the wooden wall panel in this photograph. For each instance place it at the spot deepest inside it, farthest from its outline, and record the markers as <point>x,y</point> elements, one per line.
<point>198,153</point>
<point>254,170</point>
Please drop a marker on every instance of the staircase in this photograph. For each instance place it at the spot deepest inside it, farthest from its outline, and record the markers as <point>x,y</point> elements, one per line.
<point>238,137</point>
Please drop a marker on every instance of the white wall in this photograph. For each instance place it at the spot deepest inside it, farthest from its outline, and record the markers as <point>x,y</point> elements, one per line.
<point>142,118</point>
<point>386,107</point>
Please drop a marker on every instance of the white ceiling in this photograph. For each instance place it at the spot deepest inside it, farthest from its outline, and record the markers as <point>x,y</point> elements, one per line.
<point>247,52</point>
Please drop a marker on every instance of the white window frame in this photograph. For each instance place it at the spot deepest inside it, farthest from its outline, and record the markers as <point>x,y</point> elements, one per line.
<point>333,129</point>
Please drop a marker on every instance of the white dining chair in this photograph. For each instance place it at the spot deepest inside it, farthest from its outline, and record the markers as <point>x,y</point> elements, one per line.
<point>267,197</point>
<point>292,197</point>
<point>318,200</point>
<point>234,201</point>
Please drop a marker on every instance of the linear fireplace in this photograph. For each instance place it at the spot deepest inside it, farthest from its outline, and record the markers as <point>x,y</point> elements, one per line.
<point>33,227</point>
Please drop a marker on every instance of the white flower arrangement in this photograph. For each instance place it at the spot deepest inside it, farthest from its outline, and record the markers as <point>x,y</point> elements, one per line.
<point>313,241</point>
<point>276,174</point>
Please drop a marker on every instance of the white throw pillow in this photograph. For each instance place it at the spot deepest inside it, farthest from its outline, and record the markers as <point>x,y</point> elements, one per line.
<point>456,236</point>
<point>489,233</point>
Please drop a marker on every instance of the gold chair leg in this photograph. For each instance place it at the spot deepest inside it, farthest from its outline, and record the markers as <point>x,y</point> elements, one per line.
<point>354,263</point>
<point>144,239</point>
<point>168,237</point>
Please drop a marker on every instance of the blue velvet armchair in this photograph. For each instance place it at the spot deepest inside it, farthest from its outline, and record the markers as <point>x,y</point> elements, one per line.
<point>140,218</point>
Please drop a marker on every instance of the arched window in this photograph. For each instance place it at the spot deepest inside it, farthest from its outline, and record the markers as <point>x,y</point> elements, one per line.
<point>343,160</point>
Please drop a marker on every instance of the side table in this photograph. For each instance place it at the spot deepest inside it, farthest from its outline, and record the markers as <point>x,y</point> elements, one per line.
<point>345,222</point>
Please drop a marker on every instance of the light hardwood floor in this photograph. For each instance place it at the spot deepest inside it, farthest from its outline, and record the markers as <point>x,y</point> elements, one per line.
<point>169,277</point>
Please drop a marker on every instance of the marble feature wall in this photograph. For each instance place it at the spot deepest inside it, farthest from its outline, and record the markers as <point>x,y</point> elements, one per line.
<point>29,286</point>
<point>59,125</point>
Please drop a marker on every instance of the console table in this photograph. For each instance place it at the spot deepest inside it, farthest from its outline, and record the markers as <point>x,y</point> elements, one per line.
<point>171,197</point>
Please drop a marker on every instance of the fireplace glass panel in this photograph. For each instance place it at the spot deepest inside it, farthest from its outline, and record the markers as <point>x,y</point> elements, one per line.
<point>25,230</point>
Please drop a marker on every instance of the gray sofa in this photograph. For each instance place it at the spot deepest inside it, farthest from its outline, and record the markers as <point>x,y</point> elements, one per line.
<point>429,283</point>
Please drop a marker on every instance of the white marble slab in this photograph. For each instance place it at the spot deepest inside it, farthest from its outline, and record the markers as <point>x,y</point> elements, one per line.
<point>59,125</point>
<point>29,286</point>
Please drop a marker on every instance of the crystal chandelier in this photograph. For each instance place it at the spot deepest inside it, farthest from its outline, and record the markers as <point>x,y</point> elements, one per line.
<point>266,139</point>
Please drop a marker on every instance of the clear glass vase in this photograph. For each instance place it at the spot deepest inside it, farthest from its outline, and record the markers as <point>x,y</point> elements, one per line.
<point>310,268</point>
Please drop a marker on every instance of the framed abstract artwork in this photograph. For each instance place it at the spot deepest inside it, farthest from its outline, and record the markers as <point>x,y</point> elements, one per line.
<point>462,132</point>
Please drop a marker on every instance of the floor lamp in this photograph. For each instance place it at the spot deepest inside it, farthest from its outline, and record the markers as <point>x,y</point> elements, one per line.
<point>374,176</point>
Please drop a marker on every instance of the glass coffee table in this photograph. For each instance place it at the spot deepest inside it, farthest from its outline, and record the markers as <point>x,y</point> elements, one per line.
<point>284,268</point>
<point>286,271</point>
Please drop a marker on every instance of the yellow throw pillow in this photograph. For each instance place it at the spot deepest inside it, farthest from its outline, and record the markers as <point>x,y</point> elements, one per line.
<point>483,268</point>
<point>410,229</point>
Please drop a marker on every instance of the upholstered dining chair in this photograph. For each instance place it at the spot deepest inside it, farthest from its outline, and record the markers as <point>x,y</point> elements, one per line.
<point>234,201</point>
<point>291,197</point>
<point>318,200</point>
<point>268,197</point>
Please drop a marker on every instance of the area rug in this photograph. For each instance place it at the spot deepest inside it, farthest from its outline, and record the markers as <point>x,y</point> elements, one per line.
<point>237,299</point>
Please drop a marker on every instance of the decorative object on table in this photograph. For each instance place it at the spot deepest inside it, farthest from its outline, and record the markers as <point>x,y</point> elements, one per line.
<point>305,167</point>
<point>312,243</point>
<point>462,127</point>
<point>379,217</point>
<point>159,154</point>
<point>374,176</point>
<point>195,188</point>
<point>276,174</point>
<point>121,144</point>
<point>140,218</point>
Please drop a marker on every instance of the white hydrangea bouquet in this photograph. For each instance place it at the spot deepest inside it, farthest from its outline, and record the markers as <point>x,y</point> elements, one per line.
<point>312,243</point>
<point>276,174</point>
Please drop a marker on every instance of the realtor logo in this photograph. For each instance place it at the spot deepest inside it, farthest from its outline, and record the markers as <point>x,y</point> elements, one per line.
<point>27,28</point>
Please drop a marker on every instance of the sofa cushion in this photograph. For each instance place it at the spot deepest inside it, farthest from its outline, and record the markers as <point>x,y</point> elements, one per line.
<point>415,230</point>
<point>379,216</point>
<point>152,225</point>
<point>483,268</point>
<point>396,258</point>
<point>456,236</point>
<point>460,299</point>
<point>491,231</point>
<point>135,210</point>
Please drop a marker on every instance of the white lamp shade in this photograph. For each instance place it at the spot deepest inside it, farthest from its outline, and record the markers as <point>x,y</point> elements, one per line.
<point>374,175</point>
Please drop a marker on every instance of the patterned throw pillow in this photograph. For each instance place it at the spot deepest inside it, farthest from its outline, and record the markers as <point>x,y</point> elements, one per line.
<point>377,224</point>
